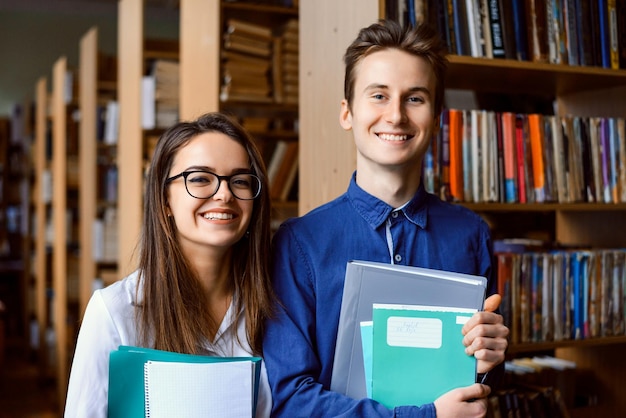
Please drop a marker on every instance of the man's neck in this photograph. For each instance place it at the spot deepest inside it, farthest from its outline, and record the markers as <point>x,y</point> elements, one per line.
<point>394,187</point>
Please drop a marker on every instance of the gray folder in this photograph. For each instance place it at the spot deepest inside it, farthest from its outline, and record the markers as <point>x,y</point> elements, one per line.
<point>367,283</point>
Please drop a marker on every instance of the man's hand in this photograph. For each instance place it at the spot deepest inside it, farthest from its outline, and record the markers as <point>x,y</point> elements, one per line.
<point>485,336</point>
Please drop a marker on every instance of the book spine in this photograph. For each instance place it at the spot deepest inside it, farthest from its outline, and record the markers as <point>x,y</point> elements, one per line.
<point>497,36</point>
<point>535,123</point>
<point>537,30</point>
<point>519,25</point>
<point>508,149</point>
<point>613,34</point>
<point>571,32</point>
<point>603,27</point>
<point>521,159</point>
<point>585,34</point>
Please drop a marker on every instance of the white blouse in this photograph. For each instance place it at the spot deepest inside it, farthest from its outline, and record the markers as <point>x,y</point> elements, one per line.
<point>109,322</point>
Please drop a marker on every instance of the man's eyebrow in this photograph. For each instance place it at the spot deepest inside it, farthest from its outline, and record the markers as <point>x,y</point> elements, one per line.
<point>416,89</point>
<point>375,86</point>
<point>420,89</point>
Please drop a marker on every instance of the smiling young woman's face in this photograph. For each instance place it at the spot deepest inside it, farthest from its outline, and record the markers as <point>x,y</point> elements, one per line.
<point>221,220</point>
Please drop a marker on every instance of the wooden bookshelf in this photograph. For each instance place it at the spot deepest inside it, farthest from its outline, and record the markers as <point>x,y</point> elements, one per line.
<point>88,78</point>
<point>328,155</point>
<point>40,256</point>
<point>130,144</point>
<point>59,222</point>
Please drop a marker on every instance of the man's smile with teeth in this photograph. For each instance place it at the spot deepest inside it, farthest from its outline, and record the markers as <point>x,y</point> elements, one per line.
<point>393,137</point>
<point>217,215</point>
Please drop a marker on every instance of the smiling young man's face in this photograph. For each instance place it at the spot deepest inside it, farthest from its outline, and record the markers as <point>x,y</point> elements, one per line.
<point>392,113</point>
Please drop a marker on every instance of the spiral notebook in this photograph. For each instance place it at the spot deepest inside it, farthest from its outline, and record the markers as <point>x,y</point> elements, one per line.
<point>138,377</point>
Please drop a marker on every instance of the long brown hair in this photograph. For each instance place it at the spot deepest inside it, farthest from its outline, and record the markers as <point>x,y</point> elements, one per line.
<point>422,41</point>
<point>173,314</point>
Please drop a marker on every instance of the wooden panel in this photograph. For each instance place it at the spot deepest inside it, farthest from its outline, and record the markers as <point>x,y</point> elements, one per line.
<point>59,205</point>
<point>327,152</point>
<point>601,371</point>
<point>130,169</point>
<point>88,80</point>
<point>599,229</point>
<point>608,102</point>
<point>41,312</point>
<point>200,39</point>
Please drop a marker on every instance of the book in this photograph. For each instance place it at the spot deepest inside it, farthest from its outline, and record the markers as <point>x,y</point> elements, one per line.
<point>536,19</point>
<point>456,129</point>
<point>418,353</point>
<point>497,35</point>
<point>510,192</point>
<point>535,123</point>
<point>246,28</point>
<point>127,379</point>
<point>367,283</point>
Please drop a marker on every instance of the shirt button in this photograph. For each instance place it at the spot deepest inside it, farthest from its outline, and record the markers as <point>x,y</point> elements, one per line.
<point>398,258</point>
<point>394,214</point>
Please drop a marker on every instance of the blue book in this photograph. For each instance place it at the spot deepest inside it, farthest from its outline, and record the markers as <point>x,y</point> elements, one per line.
<point>603,27</point>
<point>520,29</point>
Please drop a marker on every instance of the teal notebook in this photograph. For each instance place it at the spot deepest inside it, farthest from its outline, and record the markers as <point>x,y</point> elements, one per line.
<point>418,353</point>
<point>126,377</point>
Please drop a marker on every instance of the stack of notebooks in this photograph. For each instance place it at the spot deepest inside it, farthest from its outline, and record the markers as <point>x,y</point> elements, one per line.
<point>399,339</point>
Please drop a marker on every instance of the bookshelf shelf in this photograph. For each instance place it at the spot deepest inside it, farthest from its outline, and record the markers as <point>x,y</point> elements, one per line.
<point>260,8</point>
<point>507,76</point>
<point>546,207</point>
<point>516,349</point>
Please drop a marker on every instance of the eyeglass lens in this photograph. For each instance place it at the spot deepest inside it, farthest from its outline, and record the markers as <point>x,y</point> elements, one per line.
<point>202,185</point>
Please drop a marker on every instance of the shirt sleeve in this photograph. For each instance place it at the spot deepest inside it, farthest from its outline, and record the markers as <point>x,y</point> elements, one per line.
<point>290,352</point>
<point>87,394</point>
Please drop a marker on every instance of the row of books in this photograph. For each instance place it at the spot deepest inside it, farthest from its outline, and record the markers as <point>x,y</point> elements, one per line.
<point>260,63</point>
<point>506,157</point>
<point>572,32</point>
<point>105,236</point>
<point>561,295</point>
<point>535,387</point>
<point>160,95</point>
<point>282,169</point>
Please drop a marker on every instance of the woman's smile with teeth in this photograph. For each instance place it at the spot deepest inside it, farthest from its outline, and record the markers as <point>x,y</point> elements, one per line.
<point>393,137</point>
<point>217,215</point>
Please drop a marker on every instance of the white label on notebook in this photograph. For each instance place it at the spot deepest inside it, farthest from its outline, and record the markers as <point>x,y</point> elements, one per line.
<point>414,332</point>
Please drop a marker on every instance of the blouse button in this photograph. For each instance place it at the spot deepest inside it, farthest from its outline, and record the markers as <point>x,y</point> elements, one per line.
<point>398,258</point>
<point>394,214</point>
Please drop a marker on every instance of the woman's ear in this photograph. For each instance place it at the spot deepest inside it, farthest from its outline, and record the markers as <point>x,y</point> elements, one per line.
<point>345,116</point>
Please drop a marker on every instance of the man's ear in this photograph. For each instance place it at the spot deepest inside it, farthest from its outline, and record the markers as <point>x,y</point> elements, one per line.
<point>345,116</point>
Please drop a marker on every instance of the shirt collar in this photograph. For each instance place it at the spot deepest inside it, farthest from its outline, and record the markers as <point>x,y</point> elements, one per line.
<point>375,212</point>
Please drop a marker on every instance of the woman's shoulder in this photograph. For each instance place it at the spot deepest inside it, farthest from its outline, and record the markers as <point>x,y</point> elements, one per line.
<point>122,293</point>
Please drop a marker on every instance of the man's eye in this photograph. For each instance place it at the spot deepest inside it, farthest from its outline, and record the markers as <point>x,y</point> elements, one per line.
<point>378,96</point>
<point>416,100</point>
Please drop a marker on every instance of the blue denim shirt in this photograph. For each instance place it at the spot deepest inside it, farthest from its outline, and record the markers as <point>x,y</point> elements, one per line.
<point>309,263</point>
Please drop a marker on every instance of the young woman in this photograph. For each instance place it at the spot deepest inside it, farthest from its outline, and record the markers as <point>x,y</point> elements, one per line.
<point>202,285</point>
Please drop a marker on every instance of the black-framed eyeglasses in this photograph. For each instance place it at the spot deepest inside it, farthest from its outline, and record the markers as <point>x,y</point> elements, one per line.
<point>204,184</point>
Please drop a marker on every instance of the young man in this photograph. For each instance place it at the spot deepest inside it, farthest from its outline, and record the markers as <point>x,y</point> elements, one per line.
<point>393,98</point>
